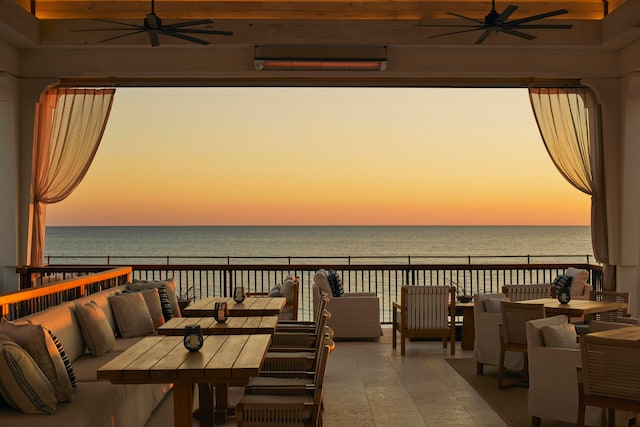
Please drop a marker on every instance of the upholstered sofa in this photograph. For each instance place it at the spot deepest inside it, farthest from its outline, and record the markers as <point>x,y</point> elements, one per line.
<point>353,315</point>
<point>87,346</point>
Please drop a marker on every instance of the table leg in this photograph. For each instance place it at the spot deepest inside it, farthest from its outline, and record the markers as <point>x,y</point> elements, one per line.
<point>468,332</point>
<point>222,402</point>
<point>182,404</point>
<point>205,398</point>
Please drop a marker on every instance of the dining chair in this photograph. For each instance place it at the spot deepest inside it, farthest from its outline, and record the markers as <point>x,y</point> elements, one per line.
<point>513,336</point>
<point>525,292</point>
<point>304,408</point>
<point>304,326</point>
<point>425,312</point>
<point>609,316</point>
<point>609,376</point>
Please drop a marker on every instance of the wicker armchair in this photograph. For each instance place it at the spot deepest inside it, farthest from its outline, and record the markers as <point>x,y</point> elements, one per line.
<point>513,335</point>
<point>425,312</point>
<point>610,373</point>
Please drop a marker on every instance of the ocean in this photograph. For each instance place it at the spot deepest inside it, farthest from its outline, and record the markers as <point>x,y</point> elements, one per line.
<point>421,243</point>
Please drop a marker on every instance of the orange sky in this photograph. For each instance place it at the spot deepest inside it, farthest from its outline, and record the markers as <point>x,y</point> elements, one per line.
<point>322,156</point>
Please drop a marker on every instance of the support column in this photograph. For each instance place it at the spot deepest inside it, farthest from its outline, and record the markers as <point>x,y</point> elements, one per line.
<point>620,101</point>
<point>8,182</point>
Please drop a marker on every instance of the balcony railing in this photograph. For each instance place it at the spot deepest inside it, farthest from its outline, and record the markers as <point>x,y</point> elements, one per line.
<point>195,281</point>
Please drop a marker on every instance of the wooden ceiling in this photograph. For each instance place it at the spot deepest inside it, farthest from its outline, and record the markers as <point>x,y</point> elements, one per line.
<point>290,10</point>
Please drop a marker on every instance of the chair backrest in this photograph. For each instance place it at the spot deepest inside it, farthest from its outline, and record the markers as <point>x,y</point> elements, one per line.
<point>526,292</point>
<point>609,296</point>
<point>427,307</point>
<point>610,367</point>
<point>321,373</point>
<point>514,319</point>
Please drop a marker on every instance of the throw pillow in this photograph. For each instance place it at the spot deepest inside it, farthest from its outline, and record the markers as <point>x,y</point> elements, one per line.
<point>67,363</point>
<point>132,315</point>
<point>276,291</point>
<point>22,384</point>
<point>36,340</point>
<point>152,300</point>
<point>169,284</point>
<point>95,328</point>
<point>562,281</point>
<point>335,281</point>
<point>562,336</point>
<point>287,288</point>
<point>492,305</point>
<point>167,312</point>
<point>322,282</point>
<point>579,280</point>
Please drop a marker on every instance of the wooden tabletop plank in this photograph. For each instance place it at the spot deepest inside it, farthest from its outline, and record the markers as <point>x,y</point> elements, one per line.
<point>576,307</point>
<point>250,359</point>
<point>232,326</point>
<point>222,363</point>
<point>113,369</point>
<point>630,335</point>
<point>251,306</point>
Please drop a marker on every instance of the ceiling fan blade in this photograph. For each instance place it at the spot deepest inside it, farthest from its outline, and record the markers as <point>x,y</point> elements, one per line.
<point>484,36</point>
<point>121,36</point>
<point>184,37</point>
<point>139,28</point>
<point>540,16</point>
<point>456,32</point>
<point>506,14</point>
<point>451,25</point>
<point>477,21</point>
<point>541,26</point>
<point>153,37</point>
<point>112,22</point>
<point>517,33</point>
<point>189,23</point>
<point>203,31</point>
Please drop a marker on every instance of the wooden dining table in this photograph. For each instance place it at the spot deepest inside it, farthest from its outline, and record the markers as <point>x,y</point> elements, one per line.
<point>232,326</point>
<point>161,359</point>
<point>630,334</point>
<point>576,307</point>
<point>251,306</point>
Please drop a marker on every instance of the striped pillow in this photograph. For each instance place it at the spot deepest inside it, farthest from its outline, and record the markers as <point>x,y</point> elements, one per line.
<point>335,281</point>
<point>167,311</point>
<point>65,360</point>
<point>22,384</point>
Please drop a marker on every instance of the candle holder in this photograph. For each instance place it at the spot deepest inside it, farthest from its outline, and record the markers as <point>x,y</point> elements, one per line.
<point>193,338</point>
<point>220,312</point>
<point>564,295</point>
<point>239,294</point>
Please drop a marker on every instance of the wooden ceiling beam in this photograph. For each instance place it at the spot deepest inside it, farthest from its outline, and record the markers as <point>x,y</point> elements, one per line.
<point>308,9</point>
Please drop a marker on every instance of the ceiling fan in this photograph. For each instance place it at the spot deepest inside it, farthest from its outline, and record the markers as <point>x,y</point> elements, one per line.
<point>499,22</point>
<point>154,27</point>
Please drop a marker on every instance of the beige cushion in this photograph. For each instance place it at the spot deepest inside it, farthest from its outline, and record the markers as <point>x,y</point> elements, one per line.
<point>36,340</point>
<point>23,385</point>
<point>563,336</point>
<point>492,305</point>
<point>322,282</point>
<point>170,286</point>
<point>152,299</point>
<point>579,280</point>
<point>131,313</point>
<point>96,330</point>
<point>287,288</point>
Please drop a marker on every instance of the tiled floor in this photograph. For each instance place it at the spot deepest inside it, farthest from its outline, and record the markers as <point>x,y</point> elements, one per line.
<point>370,384</point>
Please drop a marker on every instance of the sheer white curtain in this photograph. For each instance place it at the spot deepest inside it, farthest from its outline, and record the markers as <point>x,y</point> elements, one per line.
<point>69,124</point>
<point>570,124</point>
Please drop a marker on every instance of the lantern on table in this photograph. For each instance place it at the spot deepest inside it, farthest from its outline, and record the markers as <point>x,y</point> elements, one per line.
<point>220,311</point>
<point>239,294</point>
<point>193,337</point>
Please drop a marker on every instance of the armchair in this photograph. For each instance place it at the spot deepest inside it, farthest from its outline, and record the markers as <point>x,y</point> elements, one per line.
<point>353,315</point>
<point>486,348</point>
<point>553,389</point>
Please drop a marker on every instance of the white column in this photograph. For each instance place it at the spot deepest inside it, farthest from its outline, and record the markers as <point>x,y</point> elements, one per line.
<point>620,100</point>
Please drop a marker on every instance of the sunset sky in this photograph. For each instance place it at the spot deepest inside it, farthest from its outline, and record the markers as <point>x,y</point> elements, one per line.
<point>322,156</point>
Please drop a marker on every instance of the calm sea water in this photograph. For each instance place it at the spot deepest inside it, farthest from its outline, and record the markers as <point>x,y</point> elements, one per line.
<point>322,241</point>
